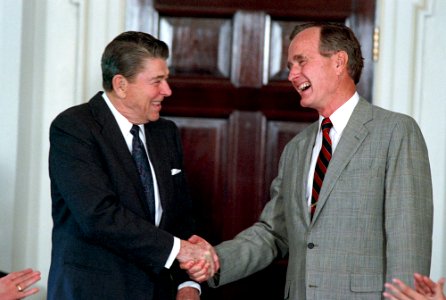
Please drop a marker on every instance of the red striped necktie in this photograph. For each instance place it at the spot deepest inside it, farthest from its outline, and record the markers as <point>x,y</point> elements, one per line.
<point>322,163</point>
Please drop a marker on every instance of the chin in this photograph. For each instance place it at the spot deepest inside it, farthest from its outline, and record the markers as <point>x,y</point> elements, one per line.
<point>154,118</point>
<point>304,103</point>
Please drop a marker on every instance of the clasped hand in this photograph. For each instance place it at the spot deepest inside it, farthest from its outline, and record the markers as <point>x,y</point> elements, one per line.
<point>198,258</point>
<point>425,289</point>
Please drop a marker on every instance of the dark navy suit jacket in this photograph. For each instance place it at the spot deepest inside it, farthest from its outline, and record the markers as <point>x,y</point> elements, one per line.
<point>103,246</point>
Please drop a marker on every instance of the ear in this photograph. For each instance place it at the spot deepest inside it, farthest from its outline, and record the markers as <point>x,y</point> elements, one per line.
<point>341,60</point>
<point>120,84</point>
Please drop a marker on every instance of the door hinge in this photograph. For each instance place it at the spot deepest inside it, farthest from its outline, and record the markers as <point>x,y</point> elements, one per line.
<point>375,51</point>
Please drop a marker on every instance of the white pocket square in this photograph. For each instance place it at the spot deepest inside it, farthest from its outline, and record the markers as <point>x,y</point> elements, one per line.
<point>175,171</point>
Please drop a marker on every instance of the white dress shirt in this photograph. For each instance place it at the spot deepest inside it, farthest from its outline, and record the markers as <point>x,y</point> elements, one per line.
<point>339,120</point>
<point>125,127</point>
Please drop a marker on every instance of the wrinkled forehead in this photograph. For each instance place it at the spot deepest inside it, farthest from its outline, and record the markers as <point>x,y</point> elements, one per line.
<point>305,42</point>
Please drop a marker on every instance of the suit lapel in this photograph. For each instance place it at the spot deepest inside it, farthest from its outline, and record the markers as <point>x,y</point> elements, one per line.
<point>307,145</point>
<point>111,132</point>
<point>157,148</point>
<point>352,137</point>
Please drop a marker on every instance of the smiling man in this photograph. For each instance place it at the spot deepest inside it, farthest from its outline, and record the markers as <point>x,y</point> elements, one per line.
<point>352,202</point>
<point>120,204</point>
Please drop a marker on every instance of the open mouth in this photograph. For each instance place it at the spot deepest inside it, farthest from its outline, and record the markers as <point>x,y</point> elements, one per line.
<point>156,105</point>
<point>304,86</point>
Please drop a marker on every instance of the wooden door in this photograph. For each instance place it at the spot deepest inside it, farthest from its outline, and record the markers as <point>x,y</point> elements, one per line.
<point>234,106</point>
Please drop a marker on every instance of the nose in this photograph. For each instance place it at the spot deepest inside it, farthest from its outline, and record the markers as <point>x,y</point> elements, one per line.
<point>294,71</point>
<point>165,89</point>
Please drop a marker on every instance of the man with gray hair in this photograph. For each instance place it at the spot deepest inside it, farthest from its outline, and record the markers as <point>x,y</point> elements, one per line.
<point>120,204</point>
<point>352,202</point>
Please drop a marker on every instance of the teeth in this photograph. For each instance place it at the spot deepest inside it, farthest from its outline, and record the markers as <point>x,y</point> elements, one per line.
<point>304,86</point>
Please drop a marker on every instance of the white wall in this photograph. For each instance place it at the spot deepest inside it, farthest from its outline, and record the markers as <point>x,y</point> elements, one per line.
<point>51,52</point>
<point>10,49</point>
<point>431,109</point>
<point>50,60</point>
<point>409,78</point>
<point>49,66</point>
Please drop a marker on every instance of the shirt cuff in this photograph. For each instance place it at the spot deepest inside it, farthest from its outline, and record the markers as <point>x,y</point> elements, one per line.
<point>173,253</point>
<point>192,284</point>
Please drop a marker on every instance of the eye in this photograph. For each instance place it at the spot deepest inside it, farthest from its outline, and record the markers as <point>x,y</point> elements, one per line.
<point>158,80</point>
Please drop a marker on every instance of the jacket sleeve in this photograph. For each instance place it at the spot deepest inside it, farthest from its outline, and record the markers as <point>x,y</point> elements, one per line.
<point>408,203</point>
<point>256,247</point>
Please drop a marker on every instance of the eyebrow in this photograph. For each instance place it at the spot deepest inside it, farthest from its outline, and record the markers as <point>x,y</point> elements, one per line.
<point>296,57</point>
<point>159,77</point>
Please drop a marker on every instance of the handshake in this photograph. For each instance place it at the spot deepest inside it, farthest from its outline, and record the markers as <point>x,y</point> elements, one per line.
<point>198,258</point>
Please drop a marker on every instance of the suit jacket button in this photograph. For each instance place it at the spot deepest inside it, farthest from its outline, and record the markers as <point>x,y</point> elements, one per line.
<point>310,245</point>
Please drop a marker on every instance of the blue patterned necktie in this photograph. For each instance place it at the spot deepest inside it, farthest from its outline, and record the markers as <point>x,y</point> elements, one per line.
<point>142,163</point>
<point>322,164</point>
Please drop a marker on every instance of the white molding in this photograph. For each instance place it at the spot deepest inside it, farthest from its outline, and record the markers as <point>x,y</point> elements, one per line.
<point>409,79</point>
<point>431,107</point>
<point>141,16</point>
<point>80,53</point>
<point>423,10</point>
<point>104,21</point>
<point>47,86</point>
<point>29,149</point>
<point>402,25</point>
<point>61,44</point>
<point>11,13</point>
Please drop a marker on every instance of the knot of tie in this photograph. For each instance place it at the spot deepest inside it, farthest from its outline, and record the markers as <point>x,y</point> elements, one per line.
<point>135,130</point>
<point>326,124</point>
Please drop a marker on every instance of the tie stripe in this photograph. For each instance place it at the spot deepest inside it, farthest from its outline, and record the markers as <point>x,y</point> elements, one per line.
<point>322,164</point>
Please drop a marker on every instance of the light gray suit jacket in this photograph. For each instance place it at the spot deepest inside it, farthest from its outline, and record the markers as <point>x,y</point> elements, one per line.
<point>373,221</point>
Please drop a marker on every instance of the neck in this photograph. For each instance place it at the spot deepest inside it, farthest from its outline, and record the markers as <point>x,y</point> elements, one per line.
<point>124,110</point>
<point>338,99</point>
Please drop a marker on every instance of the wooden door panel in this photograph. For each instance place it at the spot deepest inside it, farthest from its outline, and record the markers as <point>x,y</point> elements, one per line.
<point>205,147</point>
<point>199,46</point>
<point>278,134</point>
<point>145,15</point>
<point>302,9</point>
<point>230,164</point>
<point>246,169</point>
<point>235,107</point>
<point>248,48</point>
<point>278,49</point>
<point>199,97</point>
<point>268,284</point>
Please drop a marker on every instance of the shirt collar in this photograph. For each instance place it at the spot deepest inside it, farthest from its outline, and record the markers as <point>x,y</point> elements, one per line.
<point>122,121</point>
<point>341,116</point>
